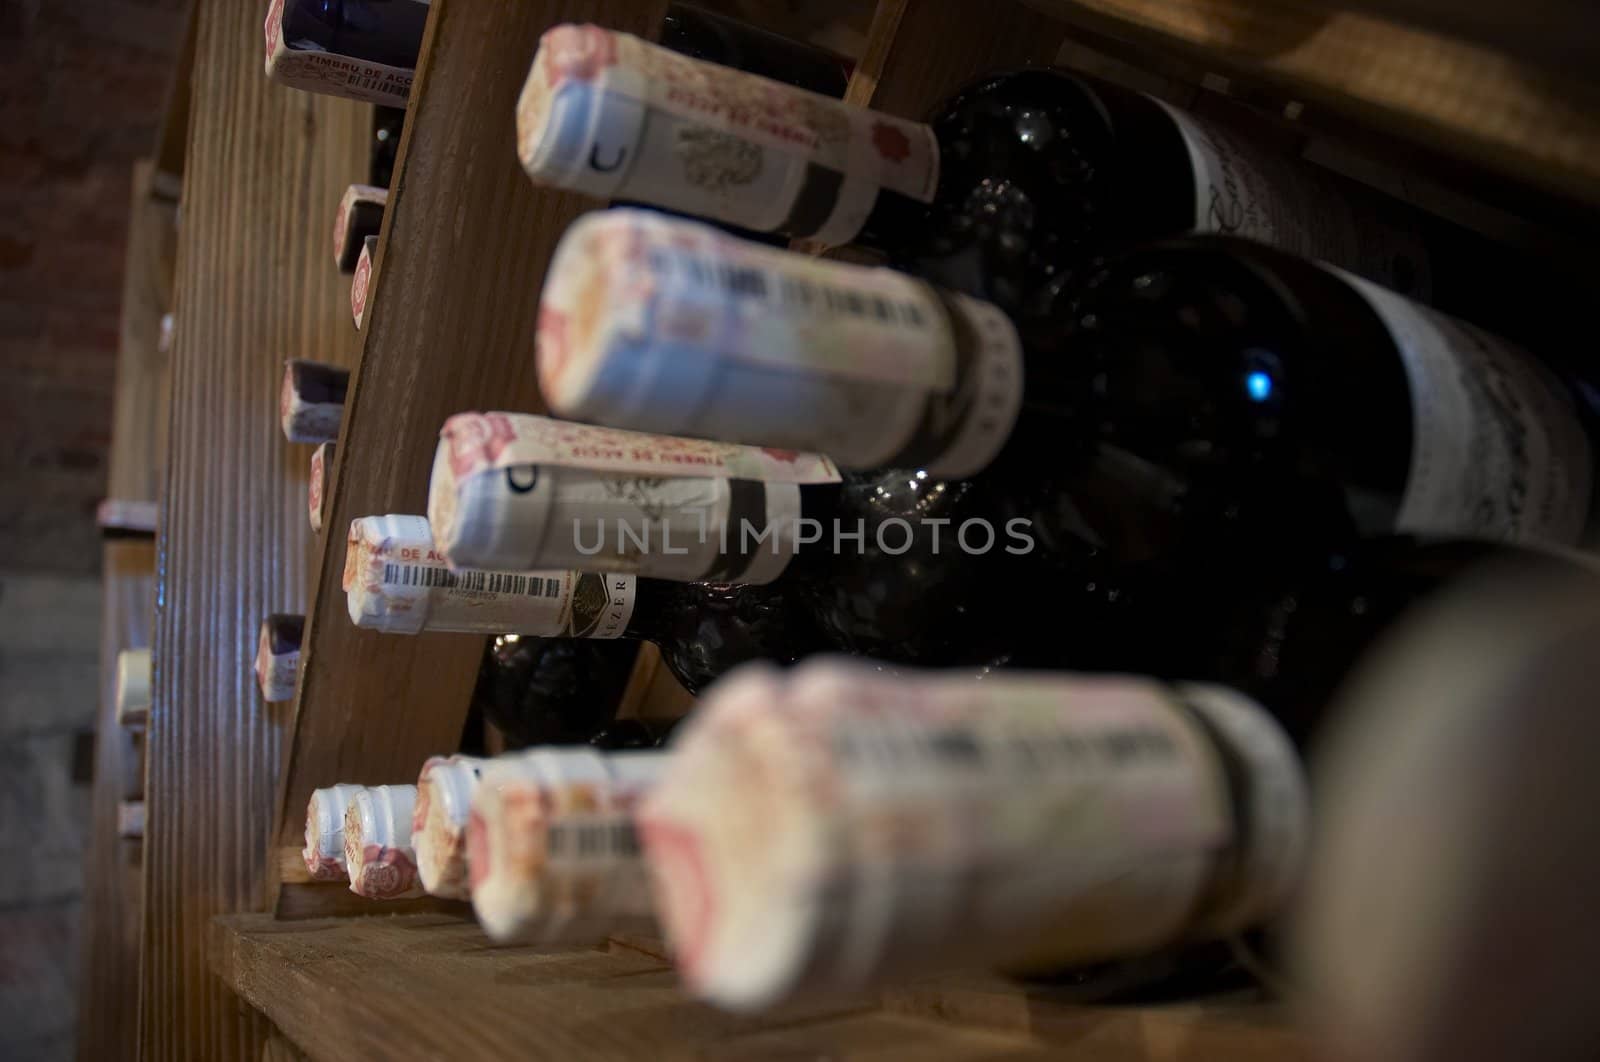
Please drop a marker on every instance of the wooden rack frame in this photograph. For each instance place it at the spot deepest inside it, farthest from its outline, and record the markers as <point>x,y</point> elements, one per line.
<point>449,327</point>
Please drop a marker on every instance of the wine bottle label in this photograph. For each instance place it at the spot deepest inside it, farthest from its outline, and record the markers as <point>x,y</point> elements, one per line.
<point>277,667</point>
<point>330,73</point>
<point>1497,449</point>
<point>395,580</point>
<point>360,214</point>
<point>522,491</point>
<point>317,488</point>
<point>676,327</point>
<point>617,117</point>
<point>324,851</point>
<point>1273,813</point>
<point>553,851</point>
<point>899,822</point>
<point>361,283</point>
<point>1247,189</point>
<point>377,843</point>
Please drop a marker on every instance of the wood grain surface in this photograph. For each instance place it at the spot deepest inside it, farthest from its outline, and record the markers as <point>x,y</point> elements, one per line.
<point>449,327</point>
<point>108,988</point>
<point>919,53</point>
<point>1534,125</point>
<point>263,170</point>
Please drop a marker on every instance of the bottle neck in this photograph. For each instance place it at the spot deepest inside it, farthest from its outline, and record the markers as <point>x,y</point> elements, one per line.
<point>618,118</point>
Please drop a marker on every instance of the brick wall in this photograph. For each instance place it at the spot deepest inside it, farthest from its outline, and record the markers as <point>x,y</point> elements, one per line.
<point>82,85</point>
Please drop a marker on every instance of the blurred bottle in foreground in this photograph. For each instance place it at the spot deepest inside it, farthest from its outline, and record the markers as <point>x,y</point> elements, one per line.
<point>1450,911</point>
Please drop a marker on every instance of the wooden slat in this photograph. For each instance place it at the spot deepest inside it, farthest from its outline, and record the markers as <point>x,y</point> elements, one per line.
<point>919,53</point>
<point>1242,1030</point>
<point>652,691</point>
<point>139,415</point>
<point>430,987</point>
<point>449,327</point>
<point>109,979</point>
<point>172,140</point>
<point>263,171</point>
<point>1522,122</point>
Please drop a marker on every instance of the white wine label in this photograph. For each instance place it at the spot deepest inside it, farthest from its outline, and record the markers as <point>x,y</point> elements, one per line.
<point>908,821</point>
<point>1247,189</point>
<point>617,117</point>
<point>359,200</point>
<point>1497,449</point>
<point>553,851</point>
<point>361,283</point>
<point>1274,825</point>
<point>332,74</point>
<point>486,442</point>
<point>395,580</point>
<point>676,327</point>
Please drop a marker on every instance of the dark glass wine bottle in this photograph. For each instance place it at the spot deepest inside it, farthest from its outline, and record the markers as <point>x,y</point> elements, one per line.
<point>387,123</point>
<point>1198,390</point>
<point>703,34</point>
<point>379,31</point>
<point>1011,188</point>
<point>396,581</point>
<point>551,691</point>
<point>888,564</point>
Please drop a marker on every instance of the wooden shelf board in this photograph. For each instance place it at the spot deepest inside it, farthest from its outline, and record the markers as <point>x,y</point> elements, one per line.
<point>1534,126</point>
<point>428,986</point>
<point>264,168</point>
<point>449,327</point>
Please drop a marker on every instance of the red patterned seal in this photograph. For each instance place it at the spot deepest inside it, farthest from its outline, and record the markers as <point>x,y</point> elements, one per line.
<point>578,53</point>
<point>385,873</point>
<point>477,440</point>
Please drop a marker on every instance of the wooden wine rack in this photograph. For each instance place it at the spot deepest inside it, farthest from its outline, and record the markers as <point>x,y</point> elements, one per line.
<point>241,957</point>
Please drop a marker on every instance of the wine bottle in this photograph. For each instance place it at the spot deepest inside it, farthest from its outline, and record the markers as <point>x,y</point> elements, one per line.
<point>360,49</point>
<point>132,696</point>
<point>707,36</point>
<point>131,820</point>
<point>380,31</point>
<point>311,401</point>
<point>360,215</point>
<point>891,565</point>
<point>277,662</point>
<point>1026,820</point>
<point>324,851</point>
<point>1017,181</point>
<point>1198,385</point>
<point>551,850</point>
<point>387,124</point>
<point>317,485</point>
<point>395,580</point>
<point>361,281</point>
<point>378,854</point>
<point>552,691</point>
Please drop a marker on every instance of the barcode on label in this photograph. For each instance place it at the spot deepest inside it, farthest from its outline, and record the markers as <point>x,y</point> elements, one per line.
<point>1036,753</point>
<point>492,582</point>
<point>789,291</point>
<point>591,840</point>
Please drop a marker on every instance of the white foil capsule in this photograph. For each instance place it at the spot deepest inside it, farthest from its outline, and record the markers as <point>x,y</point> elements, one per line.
<point>311,401</point>
<point>133,687</point>
<point>377,843</point>
<point>277,662</point>
<point>360,215</point>
<point>324,851</point>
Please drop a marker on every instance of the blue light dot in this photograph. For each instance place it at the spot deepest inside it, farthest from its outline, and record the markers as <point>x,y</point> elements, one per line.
<point>1259,384</point>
